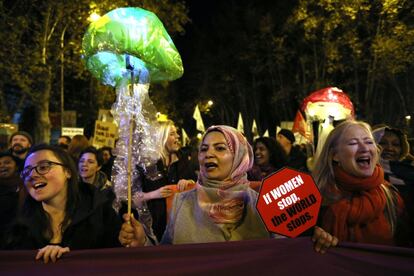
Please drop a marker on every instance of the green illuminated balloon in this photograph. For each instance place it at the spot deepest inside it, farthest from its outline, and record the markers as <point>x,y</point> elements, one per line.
<point>135,32</point>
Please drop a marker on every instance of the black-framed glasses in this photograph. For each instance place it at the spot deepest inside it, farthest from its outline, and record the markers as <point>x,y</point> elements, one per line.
<point>42,168</point>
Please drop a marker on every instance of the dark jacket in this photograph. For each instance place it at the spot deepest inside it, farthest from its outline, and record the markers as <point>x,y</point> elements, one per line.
<point>95,225</point>
<point>103,185</point>
<point>11,189</point>
<point>401,174</point>
<point>19,161</point>
<point>297,159</point>
<point>107,168</point>
<point>181,169</point>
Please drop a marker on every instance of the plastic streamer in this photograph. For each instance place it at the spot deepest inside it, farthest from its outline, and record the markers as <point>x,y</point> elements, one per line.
<point>145,148</point>
<point>128,48</point>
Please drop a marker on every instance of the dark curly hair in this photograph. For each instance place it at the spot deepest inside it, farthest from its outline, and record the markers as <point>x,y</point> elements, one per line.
<point>277,155</point>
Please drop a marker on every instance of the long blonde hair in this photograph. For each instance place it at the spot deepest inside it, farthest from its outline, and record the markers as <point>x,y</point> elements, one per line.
<point>324,177</point>
<point>323,172</point>
<point>165,128</point>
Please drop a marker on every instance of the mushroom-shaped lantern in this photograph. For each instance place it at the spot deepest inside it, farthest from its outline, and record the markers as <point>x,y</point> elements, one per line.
<point>137,33</point>
<point>321,108</point>
<point>330,101</point>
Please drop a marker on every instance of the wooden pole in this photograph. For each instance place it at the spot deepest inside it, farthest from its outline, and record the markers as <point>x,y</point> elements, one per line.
<point>131,126</point>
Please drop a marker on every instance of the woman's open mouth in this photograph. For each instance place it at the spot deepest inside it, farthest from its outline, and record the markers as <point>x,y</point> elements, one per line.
<point>210,166</point>
<point>388,155</point>
<point>4,171</point>
<point>40,185</point>
<point>364,162</point>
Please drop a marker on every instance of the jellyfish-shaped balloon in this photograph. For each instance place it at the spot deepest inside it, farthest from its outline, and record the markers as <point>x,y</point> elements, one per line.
<point>128,48</point>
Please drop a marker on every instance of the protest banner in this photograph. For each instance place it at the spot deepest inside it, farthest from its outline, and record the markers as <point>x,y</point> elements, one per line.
<point>72,131</point>
<point>105,134</point>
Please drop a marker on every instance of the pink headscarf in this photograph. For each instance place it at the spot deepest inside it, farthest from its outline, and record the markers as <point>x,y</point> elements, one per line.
<point>223,201</point>
<point>242,162</point>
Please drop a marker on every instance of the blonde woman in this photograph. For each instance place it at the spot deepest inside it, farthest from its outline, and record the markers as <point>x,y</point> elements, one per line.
<point>360,206</point>
<point>172,168</point>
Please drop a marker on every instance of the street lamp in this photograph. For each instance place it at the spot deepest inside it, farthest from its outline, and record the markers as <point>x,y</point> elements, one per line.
<point>408,123</point>
<point>94,17</point>
<point>62,77</point>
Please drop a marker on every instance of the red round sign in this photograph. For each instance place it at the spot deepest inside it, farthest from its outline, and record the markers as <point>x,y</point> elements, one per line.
<point>289,202</point>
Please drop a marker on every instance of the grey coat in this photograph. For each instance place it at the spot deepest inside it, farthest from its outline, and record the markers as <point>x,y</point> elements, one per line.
<point>189,224</point>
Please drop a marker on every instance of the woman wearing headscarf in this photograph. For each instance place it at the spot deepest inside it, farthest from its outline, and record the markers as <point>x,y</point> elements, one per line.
<point>222,207</point>
<point>359,204</point>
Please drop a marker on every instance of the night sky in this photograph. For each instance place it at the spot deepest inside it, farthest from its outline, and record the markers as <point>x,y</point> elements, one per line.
<point>201,13</point>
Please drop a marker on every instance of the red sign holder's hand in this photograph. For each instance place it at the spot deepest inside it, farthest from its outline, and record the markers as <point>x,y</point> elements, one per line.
<point>289,202</point>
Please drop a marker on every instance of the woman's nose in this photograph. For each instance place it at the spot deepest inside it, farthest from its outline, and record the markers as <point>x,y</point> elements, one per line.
<point>209,152</point>
<point>363,147</point>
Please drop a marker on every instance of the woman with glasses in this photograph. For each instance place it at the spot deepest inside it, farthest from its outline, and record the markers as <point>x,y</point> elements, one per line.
<point>58,213</point>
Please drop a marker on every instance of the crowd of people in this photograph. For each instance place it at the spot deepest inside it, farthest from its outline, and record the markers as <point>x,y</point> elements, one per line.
<point>53,194</point>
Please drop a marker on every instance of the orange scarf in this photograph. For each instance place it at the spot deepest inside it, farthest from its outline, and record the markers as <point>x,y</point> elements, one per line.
<point>359,217</point>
